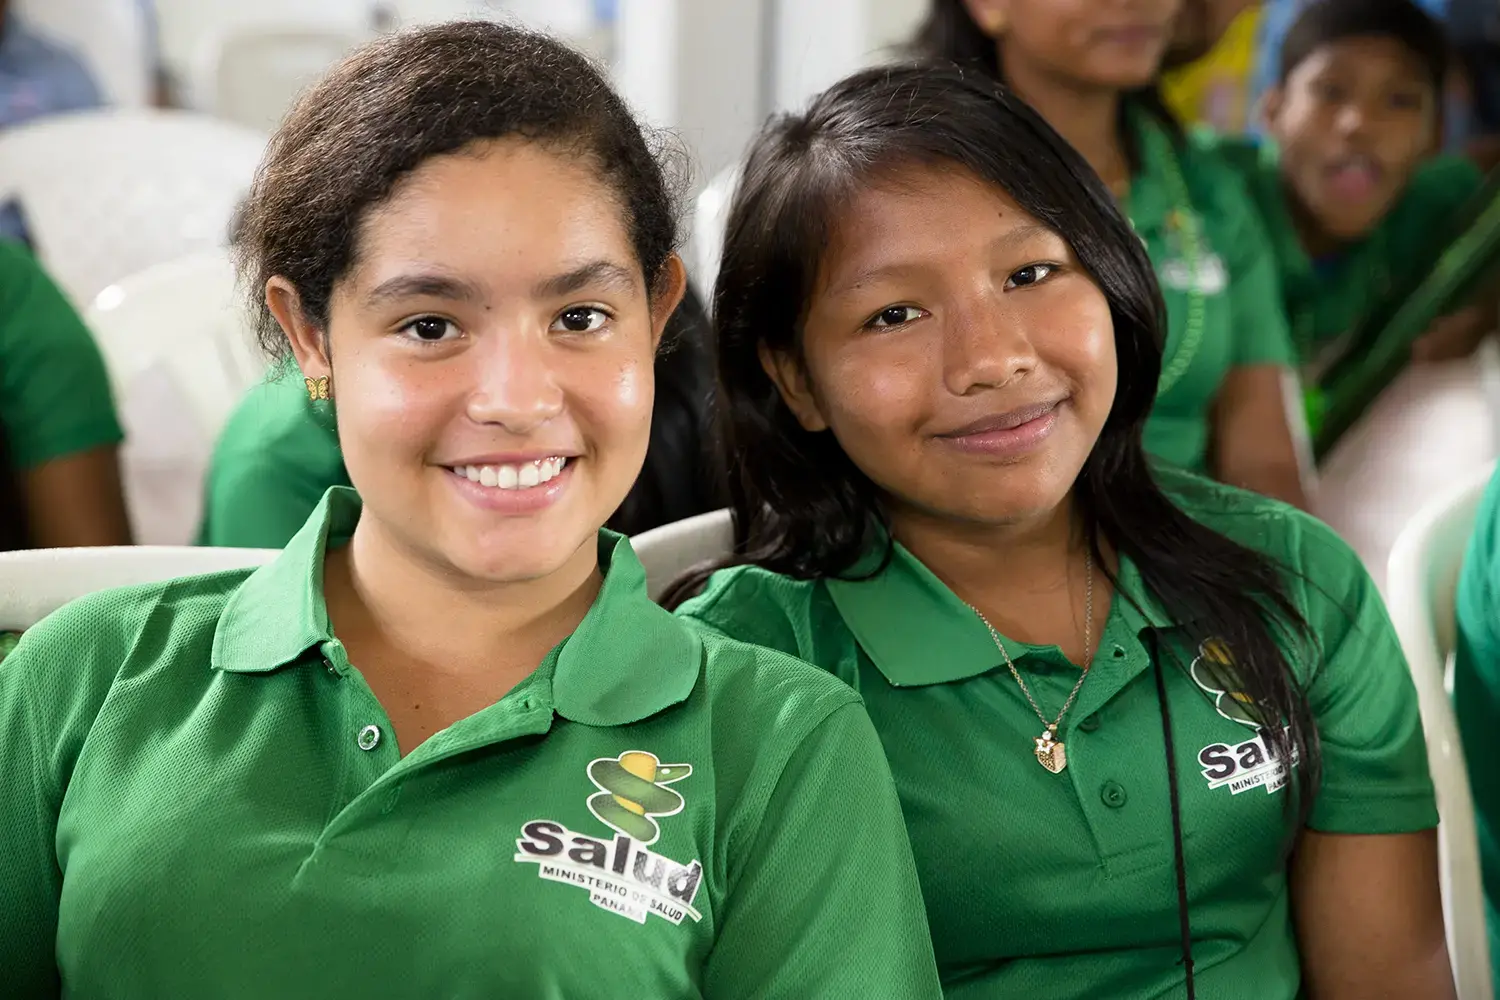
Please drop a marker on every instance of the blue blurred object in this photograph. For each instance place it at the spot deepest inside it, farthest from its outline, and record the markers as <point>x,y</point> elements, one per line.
<point>39,78</point>
<point>13,228</point>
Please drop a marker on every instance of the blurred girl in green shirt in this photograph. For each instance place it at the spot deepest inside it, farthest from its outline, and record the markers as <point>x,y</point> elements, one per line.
<point>1149,731</point>
<point>1088,69</point>
<point>59,436</point>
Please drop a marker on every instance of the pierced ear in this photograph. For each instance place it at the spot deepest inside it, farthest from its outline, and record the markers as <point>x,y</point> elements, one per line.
<point>309,343</point>
<point>668,289</point>
<point>791,381</point>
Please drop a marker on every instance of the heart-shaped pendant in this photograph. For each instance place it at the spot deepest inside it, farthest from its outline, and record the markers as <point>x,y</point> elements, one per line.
<point>1050,753</point>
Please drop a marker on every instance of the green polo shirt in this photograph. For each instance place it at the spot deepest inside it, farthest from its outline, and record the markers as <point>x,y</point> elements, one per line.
<point>274,459</point>
<point>54,391</point>
<point>1222,302</point>
<point>1476,693</point>
<point>1327,298</point>
<point>201,797</point>
<point>1063,885</point>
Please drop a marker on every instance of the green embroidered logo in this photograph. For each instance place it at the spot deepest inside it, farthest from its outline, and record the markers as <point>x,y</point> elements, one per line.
<point>632,791</point>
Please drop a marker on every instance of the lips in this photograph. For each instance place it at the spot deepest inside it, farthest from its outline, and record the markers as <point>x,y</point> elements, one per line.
<point>1007,421</point>
<point>1355,177</point>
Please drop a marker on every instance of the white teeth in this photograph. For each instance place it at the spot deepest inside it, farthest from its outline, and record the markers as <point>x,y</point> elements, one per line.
<point>513,477</point>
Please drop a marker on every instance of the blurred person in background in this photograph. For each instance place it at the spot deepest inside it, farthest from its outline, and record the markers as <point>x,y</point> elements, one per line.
<point>60,475</point>
<point>1210,65</point>
<point>1349,187</point>
<point>1090,69</point>
<point>279,452</point>
<point>37,78</point>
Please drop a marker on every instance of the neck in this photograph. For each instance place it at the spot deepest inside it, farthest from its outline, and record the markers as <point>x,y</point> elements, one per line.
<point>401,608</point>
<point>1088,117</point>
<point>1021,576</point>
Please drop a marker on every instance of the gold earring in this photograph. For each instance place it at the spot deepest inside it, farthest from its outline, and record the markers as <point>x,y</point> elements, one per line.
<point>317,388</point>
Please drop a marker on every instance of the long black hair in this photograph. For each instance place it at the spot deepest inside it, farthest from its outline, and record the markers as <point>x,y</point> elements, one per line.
<point>949,33</point>
<point>802,508</point>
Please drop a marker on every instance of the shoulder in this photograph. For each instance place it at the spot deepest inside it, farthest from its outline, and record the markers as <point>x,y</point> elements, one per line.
<point>274,424</point>
<point>1479,582</point>
<point>757,606</point>
<point>71,658</point>
<point>1438,188</point>
<point>768,690</point>
<point>1296,541</point>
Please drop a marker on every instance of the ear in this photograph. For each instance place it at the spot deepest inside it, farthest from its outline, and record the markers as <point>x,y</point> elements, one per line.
<point>1268,108</point>
<point>790,379</point>
<point>309,343</point>
<point>669,288</point>
<point>992,16</point>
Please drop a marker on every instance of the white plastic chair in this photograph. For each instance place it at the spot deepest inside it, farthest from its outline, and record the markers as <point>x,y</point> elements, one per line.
<point>109,193</point>
<point>251,74</point>
<point>36,582</point>
<point>672,549</point>
<point>112,37</point>
<point>1422,580</point>
<point>180,355</point>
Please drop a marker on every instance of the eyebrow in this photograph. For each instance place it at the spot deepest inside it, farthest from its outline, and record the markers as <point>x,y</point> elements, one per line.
<point>600,272</point>
<point>430,286</point>
<point>1009,239</point>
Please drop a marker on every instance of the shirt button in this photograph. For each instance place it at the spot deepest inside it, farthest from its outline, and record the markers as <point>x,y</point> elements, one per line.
<point>1119,653</point>
<point>1089,724</point>
<point>369,738</point>
<point>1113,794</point>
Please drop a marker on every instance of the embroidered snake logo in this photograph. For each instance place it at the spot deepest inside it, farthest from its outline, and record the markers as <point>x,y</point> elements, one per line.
<point>632,792</point>
<point>1213,670</point>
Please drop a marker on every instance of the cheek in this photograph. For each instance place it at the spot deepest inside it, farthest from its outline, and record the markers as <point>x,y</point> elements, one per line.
<point>873,396</point>
<point>396,404</point>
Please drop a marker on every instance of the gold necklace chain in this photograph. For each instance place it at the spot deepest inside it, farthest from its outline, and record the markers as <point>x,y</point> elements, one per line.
<point>1050,752</point>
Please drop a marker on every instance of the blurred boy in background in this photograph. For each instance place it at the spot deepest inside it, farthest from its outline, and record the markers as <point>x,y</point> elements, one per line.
<point>1350,184</point>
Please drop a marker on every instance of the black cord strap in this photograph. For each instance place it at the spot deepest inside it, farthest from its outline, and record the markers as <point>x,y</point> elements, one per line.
<point>1179,858</point>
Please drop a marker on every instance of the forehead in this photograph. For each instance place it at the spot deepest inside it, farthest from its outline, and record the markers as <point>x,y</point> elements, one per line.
<point>507,204</point>
<point>918,210</point>
<point>1374,57</point>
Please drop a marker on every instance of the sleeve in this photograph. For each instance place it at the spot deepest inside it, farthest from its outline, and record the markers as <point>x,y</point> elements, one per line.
<point>1440,188</point>
<point>1476,674</point>
<point>54,393</point>
<point>1261,333</point>
<point>30,881</point>
<point>1374,755</point>
<point>736,604</point>
<point>826,905</point>
<point>264,483</point>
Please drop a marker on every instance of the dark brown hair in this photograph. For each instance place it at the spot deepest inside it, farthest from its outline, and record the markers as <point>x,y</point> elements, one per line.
<point>399,101</point>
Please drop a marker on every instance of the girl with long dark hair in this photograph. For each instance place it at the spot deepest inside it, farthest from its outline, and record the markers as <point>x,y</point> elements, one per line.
<point>1090,69</point>
<point>1149,730</point>
<point>445,745</point>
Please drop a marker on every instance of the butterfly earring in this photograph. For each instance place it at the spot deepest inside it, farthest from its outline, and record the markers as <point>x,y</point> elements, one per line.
<point>317,388</point>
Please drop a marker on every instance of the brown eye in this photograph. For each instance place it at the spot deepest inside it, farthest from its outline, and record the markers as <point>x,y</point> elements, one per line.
<point>580,319</point>
<point>894,316</point>
<point>429,329</point>
<point>1031,274</point>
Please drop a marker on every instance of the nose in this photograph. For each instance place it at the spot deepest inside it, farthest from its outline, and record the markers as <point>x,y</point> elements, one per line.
<point>1351,119</point>
<point>986,346</point>
<point>516,385</point>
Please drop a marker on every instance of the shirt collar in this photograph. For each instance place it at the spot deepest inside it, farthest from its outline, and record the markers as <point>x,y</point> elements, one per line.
<point>1151,200</point>
<point>627,660</point>
<point>918,632</point>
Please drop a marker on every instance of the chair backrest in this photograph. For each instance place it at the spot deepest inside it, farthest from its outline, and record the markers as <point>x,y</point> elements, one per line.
<point>669,551</point>
<point>36,582</point>
<point>253,73</point>
<point>1421,582</point>
<point>112,37</point>
<point>110,193</point>
<point>179,351</point>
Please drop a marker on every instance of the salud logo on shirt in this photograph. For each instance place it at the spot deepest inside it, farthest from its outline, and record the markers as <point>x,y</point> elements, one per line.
<point>621,875</point>
<point>1244,765</point>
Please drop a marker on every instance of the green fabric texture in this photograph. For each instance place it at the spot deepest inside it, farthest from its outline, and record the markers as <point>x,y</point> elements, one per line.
<point>1242,322</point>
<point>202,797</point>
<point>54,392</point>
<point>1063,885</point>
<point>276,456</point>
